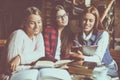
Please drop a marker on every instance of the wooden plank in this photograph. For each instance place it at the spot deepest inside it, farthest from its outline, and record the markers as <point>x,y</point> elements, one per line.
<point>2,42</point>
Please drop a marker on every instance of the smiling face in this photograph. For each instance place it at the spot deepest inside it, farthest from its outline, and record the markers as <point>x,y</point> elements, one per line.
<point>62,18</point>
<point>33,25</point>
<point>88,22</point>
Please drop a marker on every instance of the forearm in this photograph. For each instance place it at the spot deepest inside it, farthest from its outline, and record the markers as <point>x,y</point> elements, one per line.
<point>101,49</point>
<point>94,58</point>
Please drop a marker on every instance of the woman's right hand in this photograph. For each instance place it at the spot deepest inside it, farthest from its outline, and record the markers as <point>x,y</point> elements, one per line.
<point>14,63</point>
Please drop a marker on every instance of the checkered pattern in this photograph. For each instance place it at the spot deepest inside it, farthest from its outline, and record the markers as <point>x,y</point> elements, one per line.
<point>50,40</point>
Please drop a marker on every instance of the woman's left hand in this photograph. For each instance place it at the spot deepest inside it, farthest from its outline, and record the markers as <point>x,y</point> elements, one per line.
<point>77,55</point>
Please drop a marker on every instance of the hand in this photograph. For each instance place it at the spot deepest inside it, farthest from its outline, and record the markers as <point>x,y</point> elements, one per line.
<point>64,67</point>
<point>14,63</point>
<point>77,55</point>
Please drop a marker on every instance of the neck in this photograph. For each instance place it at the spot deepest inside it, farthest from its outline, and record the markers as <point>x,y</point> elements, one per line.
<point>87,33</point>
<point>60,29</point>
<point>30,35</point>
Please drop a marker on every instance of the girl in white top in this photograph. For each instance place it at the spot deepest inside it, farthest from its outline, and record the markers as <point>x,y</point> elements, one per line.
<point>24,47</point>
<point>93,33</point>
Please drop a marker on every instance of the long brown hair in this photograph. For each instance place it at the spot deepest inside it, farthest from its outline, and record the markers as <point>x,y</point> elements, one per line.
<point>98,26</point>
<point>67,38</point>
<point>67,35</point>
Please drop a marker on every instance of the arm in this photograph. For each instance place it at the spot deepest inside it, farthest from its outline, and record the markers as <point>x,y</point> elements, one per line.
<point>14,45</point>
<point>48,41</point>
<point>13,49</point>
<point>102,46</point>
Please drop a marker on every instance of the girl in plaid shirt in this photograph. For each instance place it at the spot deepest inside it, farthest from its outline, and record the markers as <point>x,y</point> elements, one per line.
<point>58,37</point>
<point>55,38</point>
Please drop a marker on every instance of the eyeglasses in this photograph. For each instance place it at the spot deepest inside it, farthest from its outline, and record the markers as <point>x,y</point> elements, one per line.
<point>62,16</point>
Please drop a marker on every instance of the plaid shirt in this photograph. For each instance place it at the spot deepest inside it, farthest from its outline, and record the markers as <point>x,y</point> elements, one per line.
<point>50,39</point>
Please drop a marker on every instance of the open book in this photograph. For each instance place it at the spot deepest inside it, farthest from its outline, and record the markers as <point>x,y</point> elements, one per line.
<point>43,64</point>
<point>40,64</point>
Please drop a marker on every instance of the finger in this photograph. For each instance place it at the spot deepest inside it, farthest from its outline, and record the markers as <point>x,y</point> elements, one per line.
<point>11,67</point>
<point>70,52</point>
<point>14,68</point>
<point>80,52</point>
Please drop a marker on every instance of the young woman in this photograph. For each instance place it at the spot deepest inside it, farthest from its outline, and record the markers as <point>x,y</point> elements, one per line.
<point>58,37</point>
<point>24,47</point>
<point>93,33</point>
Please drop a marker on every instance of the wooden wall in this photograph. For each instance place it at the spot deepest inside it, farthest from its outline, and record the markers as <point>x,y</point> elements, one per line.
<point>10,14</point>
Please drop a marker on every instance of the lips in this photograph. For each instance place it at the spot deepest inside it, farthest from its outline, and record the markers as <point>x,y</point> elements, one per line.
<point>63,21</point>
<point>86,27</point>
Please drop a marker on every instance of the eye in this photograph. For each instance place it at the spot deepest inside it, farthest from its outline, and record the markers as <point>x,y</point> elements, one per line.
<point>39,22</point>
<point>58,17</point>
<point>62,16</point>
<point>91,20</point>
<point>31,22</point>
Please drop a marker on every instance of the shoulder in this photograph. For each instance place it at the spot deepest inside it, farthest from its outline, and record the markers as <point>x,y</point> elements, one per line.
<point>18,32</point>
<point>105,33</point>
<point>17,36</point>
<point>39,35</point>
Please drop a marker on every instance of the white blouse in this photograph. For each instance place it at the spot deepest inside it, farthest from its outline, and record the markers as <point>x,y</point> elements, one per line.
<point>100,51</point>
<point>28,49</point>
<point>57,54</point>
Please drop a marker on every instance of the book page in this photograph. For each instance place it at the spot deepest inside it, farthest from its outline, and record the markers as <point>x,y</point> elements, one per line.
<point>40,64</point>
<point>49,64</point>
<point>62,62</point>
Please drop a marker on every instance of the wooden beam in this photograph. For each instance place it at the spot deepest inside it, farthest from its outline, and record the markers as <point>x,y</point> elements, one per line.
<point>2,43</point>
<point>106,10</point>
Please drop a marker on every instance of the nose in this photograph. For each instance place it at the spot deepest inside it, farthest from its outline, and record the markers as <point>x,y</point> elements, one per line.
<point>87,21</point>
<point>62,17</point>
<point>36,25</point>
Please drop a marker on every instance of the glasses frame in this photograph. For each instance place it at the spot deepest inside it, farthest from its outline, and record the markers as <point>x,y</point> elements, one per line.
<point>63,16</point>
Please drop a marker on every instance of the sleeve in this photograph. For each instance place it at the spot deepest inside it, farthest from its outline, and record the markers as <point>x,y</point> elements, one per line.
<point>36,54</point>
<point>102,46</point>
<point>14,45</point>
<point>47,40</point>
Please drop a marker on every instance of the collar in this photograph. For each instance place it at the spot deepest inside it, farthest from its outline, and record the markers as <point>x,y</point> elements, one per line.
<point>90,36</point>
